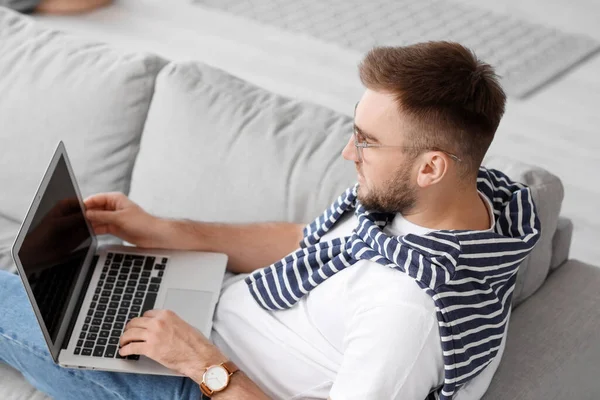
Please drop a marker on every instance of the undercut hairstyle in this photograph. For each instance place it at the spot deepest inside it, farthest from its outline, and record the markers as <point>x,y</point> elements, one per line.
<point>453,101</point>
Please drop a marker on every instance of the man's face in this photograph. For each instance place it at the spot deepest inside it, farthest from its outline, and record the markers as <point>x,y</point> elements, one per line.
<point>385,175</point>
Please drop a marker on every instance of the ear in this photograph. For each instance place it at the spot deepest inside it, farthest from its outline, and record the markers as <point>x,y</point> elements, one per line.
<point>432,168</point>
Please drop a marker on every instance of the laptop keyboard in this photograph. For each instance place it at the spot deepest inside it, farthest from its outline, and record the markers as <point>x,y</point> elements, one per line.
<point>127,288</point>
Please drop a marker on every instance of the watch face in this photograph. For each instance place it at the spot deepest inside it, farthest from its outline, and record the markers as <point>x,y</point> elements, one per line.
<point>216,378</point>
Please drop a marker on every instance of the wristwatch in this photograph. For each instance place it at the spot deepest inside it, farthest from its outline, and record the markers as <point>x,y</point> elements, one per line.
<point>216,377</point>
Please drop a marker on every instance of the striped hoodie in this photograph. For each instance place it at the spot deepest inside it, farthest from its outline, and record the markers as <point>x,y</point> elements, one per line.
<point>470,275</point>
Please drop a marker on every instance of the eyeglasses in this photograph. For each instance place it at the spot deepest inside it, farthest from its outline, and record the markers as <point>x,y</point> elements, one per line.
<point>361,143</point>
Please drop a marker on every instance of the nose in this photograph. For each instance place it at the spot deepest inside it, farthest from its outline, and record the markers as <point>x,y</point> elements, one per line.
<point>350,151</point>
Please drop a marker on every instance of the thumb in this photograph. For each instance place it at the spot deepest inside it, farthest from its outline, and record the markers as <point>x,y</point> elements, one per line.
<point>102,217</point>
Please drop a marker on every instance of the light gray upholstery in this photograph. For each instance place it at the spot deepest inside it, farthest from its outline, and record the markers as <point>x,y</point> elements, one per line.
<point>58,87</point>
<point>547,192</point>
<point>221,149</point>
<point>553,346</point>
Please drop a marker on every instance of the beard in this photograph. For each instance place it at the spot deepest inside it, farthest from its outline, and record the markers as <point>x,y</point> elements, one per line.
<point>396,195</point>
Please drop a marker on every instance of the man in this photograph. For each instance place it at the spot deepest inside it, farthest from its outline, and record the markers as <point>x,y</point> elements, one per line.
<point>400,290</point>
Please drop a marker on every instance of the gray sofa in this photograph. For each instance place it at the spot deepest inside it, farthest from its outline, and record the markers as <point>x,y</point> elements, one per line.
<point>191,141</point>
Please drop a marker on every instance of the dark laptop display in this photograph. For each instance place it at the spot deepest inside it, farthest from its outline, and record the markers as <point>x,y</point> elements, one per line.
<point>55,247</point>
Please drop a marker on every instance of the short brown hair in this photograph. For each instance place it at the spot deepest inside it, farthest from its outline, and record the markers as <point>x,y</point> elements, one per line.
<point>453,99</point>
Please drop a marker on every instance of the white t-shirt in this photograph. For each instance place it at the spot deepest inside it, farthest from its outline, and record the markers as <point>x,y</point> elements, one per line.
<point>368,332</point>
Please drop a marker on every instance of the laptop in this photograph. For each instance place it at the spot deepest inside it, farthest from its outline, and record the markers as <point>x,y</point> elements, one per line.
<point>84,293</point>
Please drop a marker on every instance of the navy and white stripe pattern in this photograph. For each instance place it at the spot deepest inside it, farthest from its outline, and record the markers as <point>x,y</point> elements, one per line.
<point>470,275</point>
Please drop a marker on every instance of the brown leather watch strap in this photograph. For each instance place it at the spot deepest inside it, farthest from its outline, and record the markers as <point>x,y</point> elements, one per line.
<point>230,367</point>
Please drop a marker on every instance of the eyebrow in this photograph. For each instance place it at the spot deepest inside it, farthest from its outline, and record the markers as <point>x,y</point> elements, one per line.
<point>366,135</point>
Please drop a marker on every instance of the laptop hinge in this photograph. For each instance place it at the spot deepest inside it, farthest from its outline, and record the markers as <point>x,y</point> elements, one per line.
<point>82,294</point>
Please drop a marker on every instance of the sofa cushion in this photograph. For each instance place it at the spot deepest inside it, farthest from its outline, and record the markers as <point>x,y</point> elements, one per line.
<point>216,148</point>
<point>552,351</point>
<point>547,192</point>
<point>58,87</point>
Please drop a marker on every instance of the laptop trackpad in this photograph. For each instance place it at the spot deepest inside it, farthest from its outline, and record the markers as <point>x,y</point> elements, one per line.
<point>192,306</point>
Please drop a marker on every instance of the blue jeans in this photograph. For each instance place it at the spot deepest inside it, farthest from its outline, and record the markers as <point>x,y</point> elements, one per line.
<point>23,347</point>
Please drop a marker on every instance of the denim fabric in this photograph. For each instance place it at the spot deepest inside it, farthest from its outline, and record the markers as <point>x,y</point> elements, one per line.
<point>23,347</point>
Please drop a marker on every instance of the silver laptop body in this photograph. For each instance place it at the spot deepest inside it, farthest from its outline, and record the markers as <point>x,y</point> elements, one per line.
<point>83,294</point>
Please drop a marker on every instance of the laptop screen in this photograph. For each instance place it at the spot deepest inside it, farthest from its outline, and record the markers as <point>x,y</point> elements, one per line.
<point>55,247</point>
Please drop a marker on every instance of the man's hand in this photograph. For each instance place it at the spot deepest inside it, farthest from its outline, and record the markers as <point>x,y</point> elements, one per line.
<point>113,213</point>
<point>167,339</point>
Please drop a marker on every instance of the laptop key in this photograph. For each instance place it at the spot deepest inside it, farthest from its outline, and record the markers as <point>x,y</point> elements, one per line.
<point>132,316</point>
<point>113,340</point>
<point>105,269</point>
<point>128,257</point>
<point>136,270</point>
<point>115,297</point>
<point>93,304</point>
<point>142,287</point>
<point>120,318</point>
<point>94,329</point>
<point>80,343</point>
<point>109,255</point>
<point>103,276</point>
<point>160,273</point>
<point>101,341</point>
<point>156,280</point>
<point>127,297</point>
<point>98,290</point>
<point>107,262</point>
<point>126,269</point>
<point>101,307</point>
<point>106,293</point>
<point>86,352</point>
<point>108,286</point>
<point>164,260</point>
<point>123,311</point>
<point>107,326</point>
<point>120,284</point>
<point>88,343</point>
<point>90,312</point>
<point>110,351</point>
<point>122,277</point>
<point>99,314</point>
<point>109,318</point>
<point>153,288</point>
<point>148,303</point>
<point>111,311</point>
<point>129,290</point>
<point>125,303</point>
<point>92,336</point>
<point>160,266</point>
<point>98,351</point>
<point>118,325</point>
<point>103,300</point>
<point>133,357</point>
<point>137,302</point>
<point>85,327</point>
<point>144,281</point>
<point>113,304</point>
<point>104,334</point>
<point>115,333</point>
<point>149,263</point>
<point>131,283</point>
<point>146,274</point>
<point>95,298</point>
<point>118,257</point>
<point>96,321</point>
<point>113,273</point>
<point>118,291</point>
<point>82,335</point>
<point>139,295</point>
<point>135,308</point>
<point>134,276</point>
<point>111,279</point>
<point>77,351</point>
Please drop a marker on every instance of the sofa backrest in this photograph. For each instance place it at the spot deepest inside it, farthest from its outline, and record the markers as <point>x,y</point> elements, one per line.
<point>53,87</point>
<point>217,148</point>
